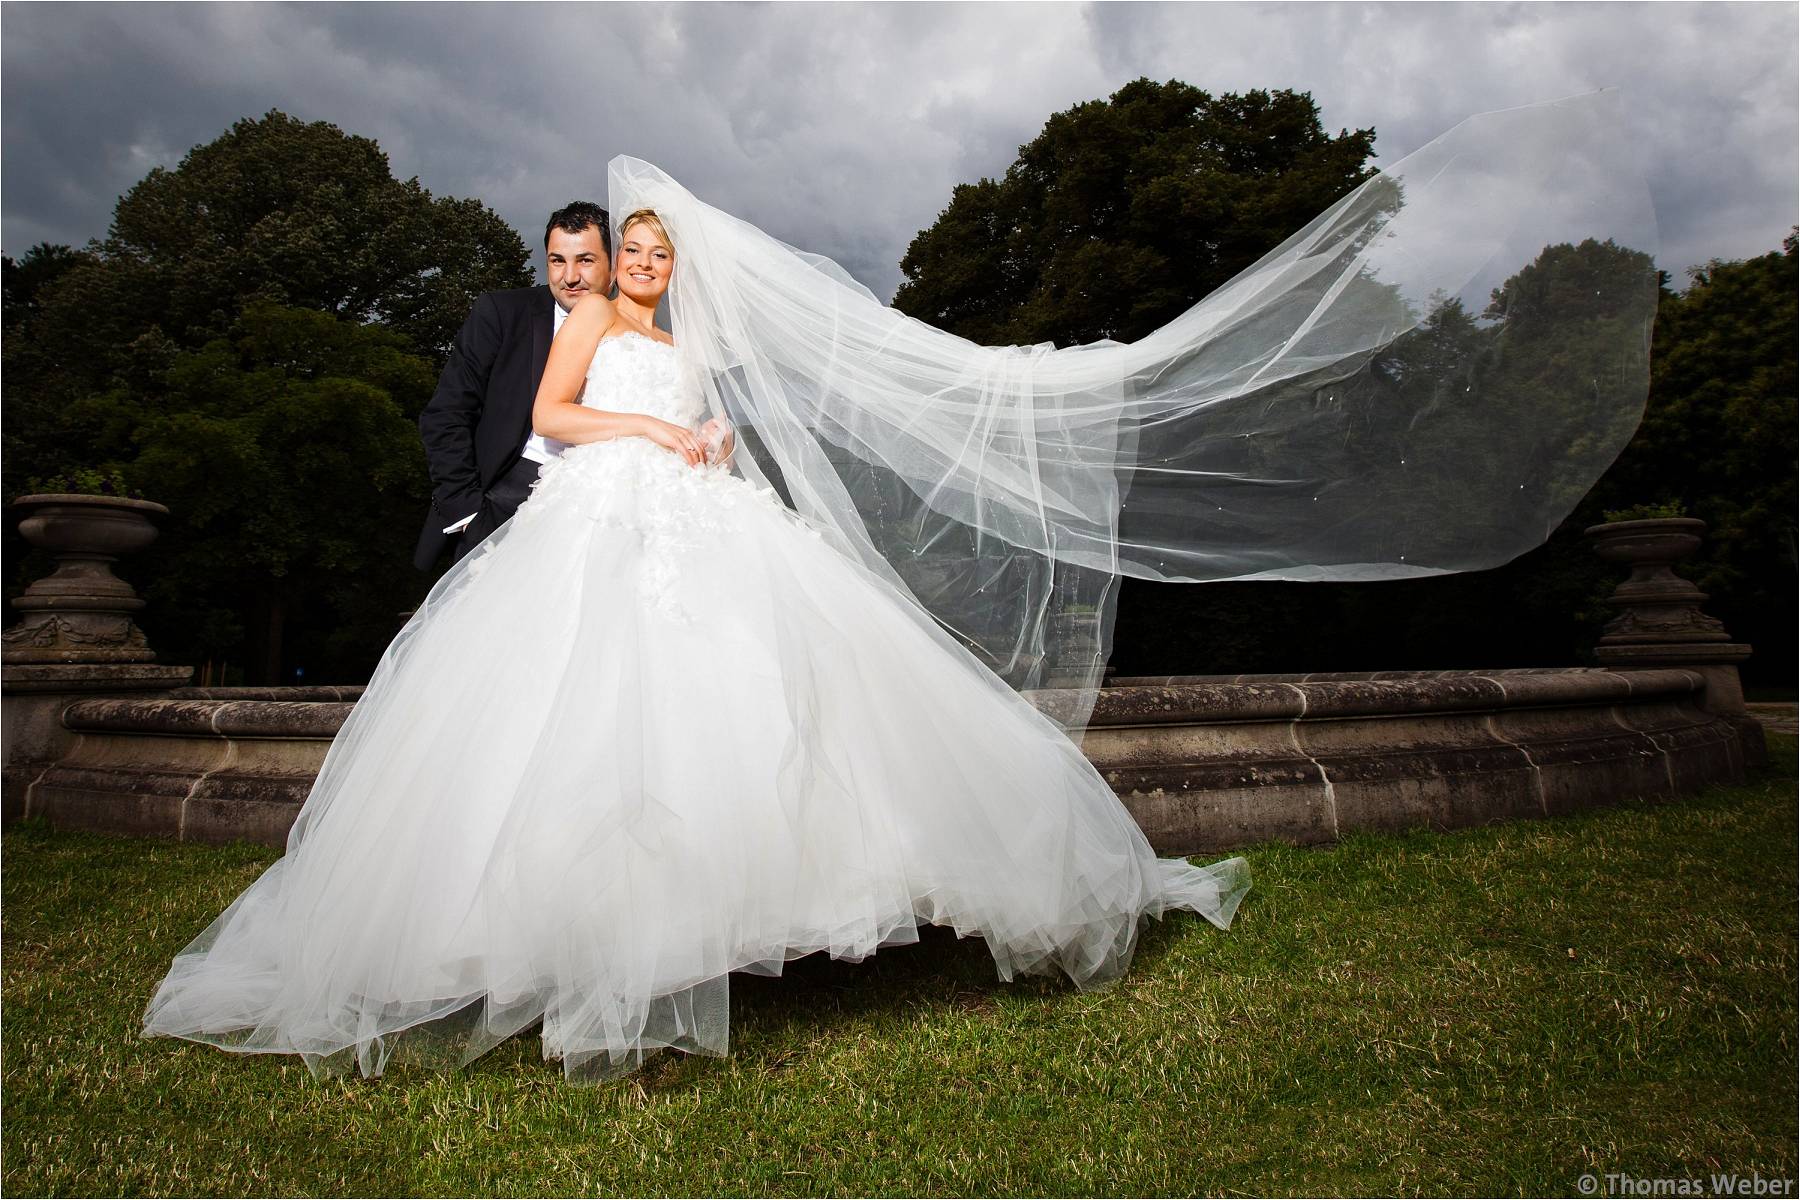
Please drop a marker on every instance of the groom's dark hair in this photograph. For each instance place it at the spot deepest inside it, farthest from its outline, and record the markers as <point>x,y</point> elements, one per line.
<point>577,216</point>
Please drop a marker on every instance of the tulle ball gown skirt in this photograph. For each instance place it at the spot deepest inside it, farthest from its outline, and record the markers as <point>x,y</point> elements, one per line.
<point>652,732</point>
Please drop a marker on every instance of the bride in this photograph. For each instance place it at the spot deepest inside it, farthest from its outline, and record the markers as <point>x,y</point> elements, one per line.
<point>694,712</point>
<point>709,742</point>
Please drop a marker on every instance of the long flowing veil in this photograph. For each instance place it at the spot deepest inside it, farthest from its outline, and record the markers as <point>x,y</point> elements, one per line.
<point>1425,379</point>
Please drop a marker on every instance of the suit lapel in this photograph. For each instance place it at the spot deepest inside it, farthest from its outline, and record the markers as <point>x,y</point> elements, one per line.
<point>543,326</point>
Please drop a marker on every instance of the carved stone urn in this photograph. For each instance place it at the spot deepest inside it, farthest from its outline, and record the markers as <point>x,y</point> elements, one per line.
<point>81,613</point>
<point>1656,605</point>
<point>1660,623</point>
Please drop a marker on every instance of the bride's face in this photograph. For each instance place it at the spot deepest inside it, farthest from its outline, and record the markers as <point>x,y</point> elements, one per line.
<point>645,265</point>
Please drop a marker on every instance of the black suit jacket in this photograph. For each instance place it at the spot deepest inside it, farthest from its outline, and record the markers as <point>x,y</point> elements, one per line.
<point>478,419</point>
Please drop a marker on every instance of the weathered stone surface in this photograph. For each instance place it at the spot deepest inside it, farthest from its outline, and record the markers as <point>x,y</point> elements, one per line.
<point>1696,755</point>
<point>1660,624</point>
<point>113,790</point>
<point>35,695</point>
<point>1574,765</point>
<point>1362,698</point>
<point>1197,819</point>
<point>210,718</point>
<point>206,787</point>
<point>169,718</point>
<point>219,820</point>
<point>1444,790</point>
<point>1329,676</point>
<point>347,693</point>
<point>27,678</point>
<point>279,719</point>
<point>1196,702</point>
<point>1571,688</point>
<point>1201,766</point>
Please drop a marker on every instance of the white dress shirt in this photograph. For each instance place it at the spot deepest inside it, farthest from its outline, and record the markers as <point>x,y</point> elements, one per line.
<point>538,448</point>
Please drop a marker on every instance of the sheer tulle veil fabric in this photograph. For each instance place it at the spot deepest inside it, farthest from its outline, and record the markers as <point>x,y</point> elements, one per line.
<point>663,726</point>
<point>1425,379</point>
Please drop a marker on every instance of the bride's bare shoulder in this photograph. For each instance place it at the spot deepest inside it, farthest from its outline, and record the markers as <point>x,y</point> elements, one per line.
<point>593,307</point>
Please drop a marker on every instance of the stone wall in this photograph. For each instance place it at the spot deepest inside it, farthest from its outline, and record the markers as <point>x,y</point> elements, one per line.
<point>1203,765</point>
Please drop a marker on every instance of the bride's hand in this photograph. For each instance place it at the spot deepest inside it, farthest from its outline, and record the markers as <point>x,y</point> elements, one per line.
<point>673,437</point>
<point>719,440</point>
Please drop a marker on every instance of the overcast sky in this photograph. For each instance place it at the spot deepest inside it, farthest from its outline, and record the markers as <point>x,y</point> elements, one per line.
<point>842,128</point>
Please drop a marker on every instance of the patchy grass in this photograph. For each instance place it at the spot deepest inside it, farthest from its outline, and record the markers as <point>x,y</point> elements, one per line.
<point>1494,1011</point>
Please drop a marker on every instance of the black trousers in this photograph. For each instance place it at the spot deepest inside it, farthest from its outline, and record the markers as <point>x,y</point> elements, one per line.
<point>498,505</point>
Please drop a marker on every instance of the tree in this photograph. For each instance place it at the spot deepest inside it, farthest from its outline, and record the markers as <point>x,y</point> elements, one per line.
<point>183,337</point>
<point>1124,212</point>
<point>1718,438</point>
<point>305,215</point>
<point>275,209</point>
<point>31,434</point>
<point>26,279</point>
<point>289,454</point>
<point>1162,187</point>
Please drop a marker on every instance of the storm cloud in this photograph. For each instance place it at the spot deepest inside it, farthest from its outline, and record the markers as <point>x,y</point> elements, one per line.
<point>843,128</point>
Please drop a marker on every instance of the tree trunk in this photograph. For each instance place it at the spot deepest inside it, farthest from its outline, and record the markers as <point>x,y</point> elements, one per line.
<point>276,605</point>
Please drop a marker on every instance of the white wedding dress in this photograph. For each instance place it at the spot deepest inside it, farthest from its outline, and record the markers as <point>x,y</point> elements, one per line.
<point>656,730</point>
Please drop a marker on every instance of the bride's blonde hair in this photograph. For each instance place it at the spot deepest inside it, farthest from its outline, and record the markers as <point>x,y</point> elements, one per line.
<point>647,216</point>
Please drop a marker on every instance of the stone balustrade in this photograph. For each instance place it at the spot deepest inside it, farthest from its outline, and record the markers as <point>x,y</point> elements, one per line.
<point>99,737</point>
<point>1202,764</point>
<point>1207,763</point>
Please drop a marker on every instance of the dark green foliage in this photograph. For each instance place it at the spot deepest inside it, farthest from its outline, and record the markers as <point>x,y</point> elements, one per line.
<point>27,279</point>
<point>302,214</point>
<point>31,432</point>
<point>1646,512</point>
<point>86,481</point>
<point>1717,439</point>
<point>1123,212</point>
<point>289,452</point>
<point>250,345</point>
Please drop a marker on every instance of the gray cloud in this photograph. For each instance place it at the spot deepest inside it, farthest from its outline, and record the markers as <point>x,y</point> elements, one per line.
<point>843,128</point>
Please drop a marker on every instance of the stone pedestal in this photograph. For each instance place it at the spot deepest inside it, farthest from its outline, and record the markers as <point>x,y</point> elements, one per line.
<point>82,613</point>
<point>75,639</point>
<point>1660,624</point>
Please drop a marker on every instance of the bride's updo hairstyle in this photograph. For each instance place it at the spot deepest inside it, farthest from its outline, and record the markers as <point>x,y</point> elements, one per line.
<point>647,216</point>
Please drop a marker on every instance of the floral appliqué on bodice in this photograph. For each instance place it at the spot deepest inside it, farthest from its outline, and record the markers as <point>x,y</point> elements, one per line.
<point>634,373</point>
<point>633,483</point>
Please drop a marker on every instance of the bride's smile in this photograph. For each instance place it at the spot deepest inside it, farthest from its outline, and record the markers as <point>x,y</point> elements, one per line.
<point>645,263</point>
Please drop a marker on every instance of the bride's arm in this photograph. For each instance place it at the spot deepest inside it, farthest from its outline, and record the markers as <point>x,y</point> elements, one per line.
<point>557,411</point>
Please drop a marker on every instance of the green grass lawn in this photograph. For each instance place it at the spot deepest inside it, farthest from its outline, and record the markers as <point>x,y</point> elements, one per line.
<point>1494,1011</point>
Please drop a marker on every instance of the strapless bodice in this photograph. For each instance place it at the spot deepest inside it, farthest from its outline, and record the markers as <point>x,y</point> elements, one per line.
<point>634,373</point>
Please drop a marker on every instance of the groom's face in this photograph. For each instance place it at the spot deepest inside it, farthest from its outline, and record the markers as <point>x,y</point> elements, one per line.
<point>577,265</point>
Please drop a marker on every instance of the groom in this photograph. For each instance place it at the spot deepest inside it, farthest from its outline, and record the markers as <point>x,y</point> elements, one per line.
<point>479,447</point>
